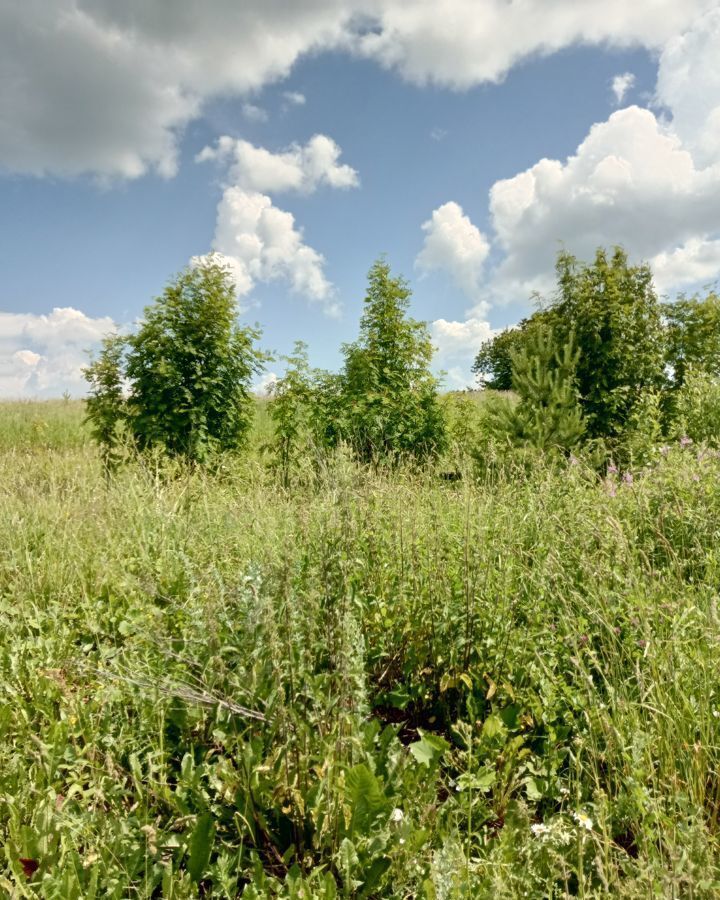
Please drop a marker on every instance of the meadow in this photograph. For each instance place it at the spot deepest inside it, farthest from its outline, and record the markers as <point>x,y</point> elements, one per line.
<point>370,683</point>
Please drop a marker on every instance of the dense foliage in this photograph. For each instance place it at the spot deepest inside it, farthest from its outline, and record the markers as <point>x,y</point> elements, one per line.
<point>547,415</point>
<point>633,354</point>
<point>383,405</point>
<point>389,397</point>
<point>187,372</point>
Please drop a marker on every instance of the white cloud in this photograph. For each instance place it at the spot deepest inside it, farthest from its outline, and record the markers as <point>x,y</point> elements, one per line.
<point>456,246</point>
<point>254,113</point>
<point>696,262</point>
<point>298,168</point>
<point>261,243</point>
<point>101,87</point>
<point>458,339</point>
<point>438,134</point>
<point>43,355</point>
<point>457,344</point>
<point>294,98</point>
<point>649,182</point>
<point>621,84</point>
<point>630,182</point>
<point>471,42</point>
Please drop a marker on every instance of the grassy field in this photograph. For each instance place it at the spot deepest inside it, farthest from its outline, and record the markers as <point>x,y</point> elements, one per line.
<point>366,686</point>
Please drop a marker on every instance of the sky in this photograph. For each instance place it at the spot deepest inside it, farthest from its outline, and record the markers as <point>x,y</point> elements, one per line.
<point>467,140</point>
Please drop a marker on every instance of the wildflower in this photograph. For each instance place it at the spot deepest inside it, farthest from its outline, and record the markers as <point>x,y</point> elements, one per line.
<point>584,639</point>
<point>628,478</point>
<point>583,820</point>
<point>685,441</point>
<point>539,829</point>
<point>397,815</point>
<point>612,469</point>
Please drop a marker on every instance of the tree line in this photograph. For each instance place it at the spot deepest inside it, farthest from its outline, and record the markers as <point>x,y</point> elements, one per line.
<point>602,365</point>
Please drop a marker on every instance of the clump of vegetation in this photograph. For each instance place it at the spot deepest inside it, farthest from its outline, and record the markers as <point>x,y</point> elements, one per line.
<point>182,381</point>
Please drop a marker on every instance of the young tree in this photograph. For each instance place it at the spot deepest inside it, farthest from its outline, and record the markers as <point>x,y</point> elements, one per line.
<point>494,358</point>
<point>548,415</point>
<point>613,312</point>
<point>290,412</point>
<point>389,396</point>
<point>188,369</point>
<point>106,405</point>
<point>693,336</point>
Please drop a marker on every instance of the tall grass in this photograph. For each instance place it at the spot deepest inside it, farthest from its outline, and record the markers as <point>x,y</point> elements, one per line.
<point>370,685</point>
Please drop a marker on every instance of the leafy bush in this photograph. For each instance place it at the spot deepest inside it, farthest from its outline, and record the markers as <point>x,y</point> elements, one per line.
<point>697,408</point>
<point>388,397</point>
<point>186,372</point>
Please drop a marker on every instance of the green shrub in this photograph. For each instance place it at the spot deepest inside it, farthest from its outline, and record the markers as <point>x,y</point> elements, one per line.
<point>182,381</point>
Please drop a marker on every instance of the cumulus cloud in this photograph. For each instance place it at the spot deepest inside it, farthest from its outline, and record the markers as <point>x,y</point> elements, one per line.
<point>259,242</point>
<point>695,262</point>
<point>457,344</point>
<point>43,355</point>
<point>649,181</point>
<point>474,42</point>
<point>621,84</point>
<point>456,246</point>
<point>299,168</point>
<point>101,87</point>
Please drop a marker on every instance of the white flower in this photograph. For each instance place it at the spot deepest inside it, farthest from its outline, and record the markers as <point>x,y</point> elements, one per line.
<point>397,815</point>
<point>583,820</point>
<point>539,829</point>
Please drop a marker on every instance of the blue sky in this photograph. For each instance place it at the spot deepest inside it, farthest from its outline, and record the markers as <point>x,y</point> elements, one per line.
<point>456,149</point>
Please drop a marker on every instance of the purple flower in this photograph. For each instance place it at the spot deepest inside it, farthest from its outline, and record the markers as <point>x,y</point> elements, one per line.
<point>612,469</point>
<point>685,441</point>
<point>627,478</point>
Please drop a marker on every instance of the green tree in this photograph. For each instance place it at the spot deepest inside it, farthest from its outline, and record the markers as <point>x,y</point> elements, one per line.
<point>290,411</point>
<point>613,312</point>
<point>493,362</point>
<point>188,370</point>
<point>693,336</point>
<point>494,358</point>
<point>106,407</point>
<point>548,415</point>
<point>389,404</point>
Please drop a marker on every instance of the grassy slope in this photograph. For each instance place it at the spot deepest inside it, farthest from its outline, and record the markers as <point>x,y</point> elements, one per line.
<point>467,690</point>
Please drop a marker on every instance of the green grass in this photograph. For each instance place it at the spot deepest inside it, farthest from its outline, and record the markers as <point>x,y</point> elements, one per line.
<point>370,685</point>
